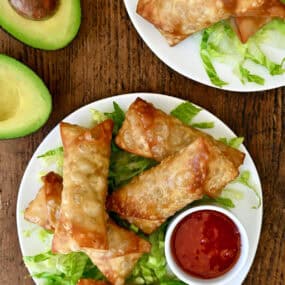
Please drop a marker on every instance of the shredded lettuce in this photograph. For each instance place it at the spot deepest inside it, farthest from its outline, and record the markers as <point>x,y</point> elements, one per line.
<point>232,193</point>
<point>53,157</point>
<point>124,166</point>
<point>234,142</point>
<point>224,202</point>
<point>203,125</point>
<point>221,44</point>
<point>245,179</point>
<point>186,112</point>
<point>118,117</point>
<point>44,235</point>
<point>97,116</point>
<point>60,269</point>
<point>152,268</point>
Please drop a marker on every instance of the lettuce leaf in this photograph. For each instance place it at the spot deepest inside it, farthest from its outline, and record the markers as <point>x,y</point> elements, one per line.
<point>62,269</point>
<point>124,166</point>
<point>186,112</point>
<point>151,268</point>
<point>203,125</point>
<point>234,142</point>
<point>220,44</point>
<point>245,179</point>
<point>118,117</point>
<point>97,116</point>
<point>53,157</point>
<point>224,202</point>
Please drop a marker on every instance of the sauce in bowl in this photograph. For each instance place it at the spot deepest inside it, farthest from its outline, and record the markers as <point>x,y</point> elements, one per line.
<point>206,244</point>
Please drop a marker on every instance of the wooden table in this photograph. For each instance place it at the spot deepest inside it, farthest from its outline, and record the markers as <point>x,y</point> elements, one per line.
<point>108,58</point>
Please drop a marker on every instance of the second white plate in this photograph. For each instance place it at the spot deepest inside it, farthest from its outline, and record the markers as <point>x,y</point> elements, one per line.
<point>185,57</point>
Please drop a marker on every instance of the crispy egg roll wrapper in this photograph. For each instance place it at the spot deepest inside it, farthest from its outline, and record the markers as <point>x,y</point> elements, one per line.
<point>178,19</point>
<point>149,132</point>
<point>249,24</point>
<point>246,27</point>
<point>125,248</point>
<point>44,209</point>
<point>158,193</point>
<point>83,216</point>
<point>270,8</point>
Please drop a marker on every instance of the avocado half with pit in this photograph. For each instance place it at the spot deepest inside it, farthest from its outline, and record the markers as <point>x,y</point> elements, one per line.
<point>25,102</point>
<point>43,24</point>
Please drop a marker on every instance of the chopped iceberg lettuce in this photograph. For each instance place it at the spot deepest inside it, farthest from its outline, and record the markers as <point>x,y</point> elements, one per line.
<point>221,44</point>
<point>62,269</point>
<point>186,112</point>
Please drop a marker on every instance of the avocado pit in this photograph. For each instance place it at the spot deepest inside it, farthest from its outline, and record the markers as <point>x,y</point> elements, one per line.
<point>35,9</point>
<point>9,100</point>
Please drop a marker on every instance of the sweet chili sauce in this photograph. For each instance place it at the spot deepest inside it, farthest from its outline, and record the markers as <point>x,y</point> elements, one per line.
<point>206,244</point>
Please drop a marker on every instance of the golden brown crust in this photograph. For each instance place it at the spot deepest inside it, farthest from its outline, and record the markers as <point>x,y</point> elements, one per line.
<point>85,170</point>
<point>270,8</point>
<point>158,193</point>
<point>247,26</point>
<point>125,248</point>
<point>149,132</point>
<point>44,209</point>
<point>116,263</point>
<point>178,19</point>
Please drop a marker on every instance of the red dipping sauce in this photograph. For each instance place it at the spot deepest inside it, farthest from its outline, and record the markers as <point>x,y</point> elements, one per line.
<point>206,244</point>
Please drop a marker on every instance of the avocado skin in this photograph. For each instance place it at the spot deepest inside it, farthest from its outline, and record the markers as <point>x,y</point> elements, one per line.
<point>43,38</point>
<point>44,94</point>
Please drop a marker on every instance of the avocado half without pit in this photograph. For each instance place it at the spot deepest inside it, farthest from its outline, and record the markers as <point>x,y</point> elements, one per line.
<point>43,24</point>
<point>25,102</point>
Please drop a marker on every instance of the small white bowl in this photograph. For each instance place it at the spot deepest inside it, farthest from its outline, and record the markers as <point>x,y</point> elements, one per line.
<point>223,279</point>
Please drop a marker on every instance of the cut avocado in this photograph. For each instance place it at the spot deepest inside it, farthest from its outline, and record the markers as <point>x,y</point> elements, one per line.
<point>52,33</point>
<point>25,102</point>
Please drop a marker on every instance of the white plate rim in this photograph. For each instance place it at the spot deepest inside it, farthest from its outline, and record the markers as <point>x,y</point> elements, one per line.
<point>245,88</point>
<point>130,97</point>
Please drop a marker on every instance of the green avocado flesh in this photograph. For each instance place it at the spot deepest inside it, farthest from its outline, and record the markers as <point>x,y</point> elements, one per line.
<point>25,102</point>
<point>50,34</point>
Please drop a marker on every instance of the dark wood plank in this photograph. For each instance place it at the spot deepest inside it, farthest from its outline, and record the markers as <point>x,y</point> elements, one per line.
<point>109,58</point>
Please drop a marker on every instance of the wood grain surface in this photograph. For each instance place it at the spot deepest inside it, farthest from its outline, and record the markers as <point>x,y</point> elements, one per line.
<point>108,58</point>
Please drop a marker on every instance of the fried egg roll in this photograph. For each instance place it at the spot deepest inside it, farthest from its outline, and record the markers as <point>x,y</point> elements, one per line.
<point>125,248</point>
<point>178,19</point>
<point>151,133</point>
<point>82,221</point>
<point>249,24</point>
<point>44,209</point>
<point>158,193</point>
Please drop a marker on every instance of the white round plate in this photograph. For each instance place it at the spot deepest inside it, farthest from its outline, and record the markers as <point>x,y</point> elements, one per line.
<point>249,217</point>
<point>185,57</point>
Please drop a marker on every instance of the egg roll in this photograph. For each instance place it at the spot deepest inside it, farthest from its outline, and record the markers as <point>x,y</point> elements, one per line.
<point>44,209</point>
<point>149,132</point>
<point>246,26</point>
<point>158,193</point>
<point>253,20</point>
<point>125,248</point>
<point>82,222</point>
<point>178,19</point>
